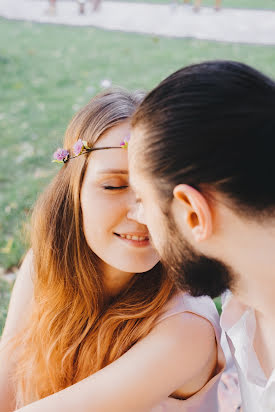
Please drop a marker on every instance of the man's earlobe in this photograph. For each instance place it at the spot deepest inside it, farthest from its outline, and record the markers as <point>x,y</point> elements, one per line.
<point>197,212</point>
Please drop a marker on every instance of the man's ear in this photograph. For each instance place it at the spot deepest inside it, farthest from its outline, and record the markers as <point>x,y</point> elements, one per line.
<point>196,211</point>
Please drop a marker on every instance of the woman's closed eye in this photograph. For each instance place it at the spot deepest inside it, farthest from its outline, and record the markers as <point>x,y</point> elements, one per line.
<point>114,183</point>
<point>108,187</point>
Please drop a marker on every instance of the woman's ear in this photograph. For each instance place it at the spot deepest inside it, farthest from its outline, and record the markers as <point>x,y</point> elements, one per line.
<point>196,211</point>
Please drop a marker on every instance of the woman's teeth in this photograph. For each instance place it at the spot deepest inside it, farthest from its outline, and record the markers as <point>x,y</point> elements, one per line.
<point>137,238</point>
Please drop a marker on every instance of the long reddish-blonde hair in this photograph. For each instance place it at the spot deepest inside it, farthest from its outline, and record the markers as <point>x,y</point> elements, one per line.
<point>72,332</point>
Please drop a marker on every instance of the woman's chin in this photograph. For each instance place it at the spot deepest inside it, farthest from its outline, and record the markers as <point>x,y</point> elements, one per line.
<point>129,267</point>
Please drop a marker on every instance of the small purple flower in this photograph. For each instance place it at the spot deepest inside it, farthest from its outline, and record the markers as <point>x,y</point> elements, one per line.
<point>60,154</point>
<point>77,147</point>
<point>125,141</point>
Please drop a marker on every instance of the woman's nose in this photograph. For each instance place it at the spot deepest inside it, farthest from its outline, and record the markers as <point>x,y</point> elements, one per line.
<point>136,212</point>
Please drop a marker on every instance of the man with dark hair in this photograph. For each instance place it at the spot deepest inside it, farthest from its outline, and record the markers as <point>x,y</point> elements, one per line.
<point>202,165</point>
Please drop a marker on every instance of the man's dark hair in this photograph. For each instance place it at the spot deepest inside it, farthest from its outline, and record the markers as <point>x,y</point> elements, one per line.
<point>212,126</point>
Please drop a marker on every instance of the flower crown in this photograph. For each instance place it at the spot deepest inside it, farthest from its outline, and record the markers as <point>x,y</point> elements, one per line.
<point>81,147</point>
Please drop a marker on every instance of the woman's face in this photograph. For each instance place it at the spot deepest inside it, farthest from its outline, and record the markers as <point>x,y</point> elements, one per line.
<point>108,202</point>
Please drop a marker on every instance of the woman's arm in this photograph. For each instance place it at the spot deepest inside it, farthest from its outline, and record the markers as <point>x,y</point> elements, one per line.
<point>20,299</point>
<point>180,350</point>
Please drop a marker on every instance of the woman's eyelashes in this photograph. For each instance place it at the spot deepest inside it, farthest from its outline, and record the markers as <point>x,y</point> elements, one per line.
<point>107,187</point>
<point>114,183</point>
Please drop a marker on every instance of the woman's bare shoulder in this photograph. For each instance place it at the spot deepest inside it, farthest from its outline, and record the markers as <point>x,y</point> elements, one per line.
<point>192,345</point>
<point>188,330</point>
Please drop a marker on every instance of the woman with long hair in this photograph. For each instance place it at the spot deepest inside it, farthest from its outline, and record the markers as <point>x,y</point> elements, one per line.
<point>94,322</point>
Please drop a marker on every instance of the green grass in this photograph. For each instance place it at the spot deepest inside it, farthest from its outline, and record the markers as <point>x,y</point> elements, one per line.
<point>48,72</point>
<point>5,290</point>
<point>244,4</point>
<point>218,304</point>
<point>239,4</point>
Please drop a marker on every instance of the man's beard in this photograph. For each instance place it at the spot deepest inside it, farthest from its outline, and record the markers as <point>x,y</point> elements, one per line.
<point>191,271</point>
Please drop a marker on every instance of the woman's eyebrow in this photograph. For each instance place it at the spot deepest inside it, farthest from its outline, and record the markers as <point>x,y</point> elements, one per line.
<point>113,171</point>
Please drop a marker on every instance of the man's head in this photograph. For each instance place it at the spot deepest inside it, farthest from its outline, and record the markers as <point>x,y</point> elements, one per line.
<point>202,162</point>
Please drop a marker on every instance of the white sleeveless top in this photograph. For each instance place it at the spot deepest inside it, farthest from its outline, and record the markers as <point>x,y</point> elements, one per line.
<point>206,399</point>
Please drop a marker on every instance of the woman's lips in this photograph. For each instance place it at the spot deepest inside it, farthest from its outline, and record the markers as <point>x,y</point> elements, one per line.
<point>138,240</point>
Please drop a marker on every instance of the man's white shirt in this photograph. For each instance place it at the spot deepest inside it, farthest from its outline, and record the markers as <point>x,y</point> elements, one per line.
<point>239,324</point>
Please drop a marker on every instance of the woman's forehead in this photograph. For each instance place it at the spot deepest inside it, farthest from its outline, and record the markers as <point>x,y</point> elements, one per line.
<point>114,136</point>
<point>101,161</point>
<point>108,160</point>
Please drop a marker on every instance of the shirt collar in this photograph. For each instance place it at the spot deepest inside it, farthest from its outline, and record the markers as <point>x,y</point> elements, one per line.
<point>232,311</point>
<point>239,323</point>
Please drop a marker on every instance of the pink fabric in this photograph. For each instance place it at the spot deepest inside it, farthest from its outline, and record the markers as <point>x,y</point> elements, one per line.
<point>206,400</point>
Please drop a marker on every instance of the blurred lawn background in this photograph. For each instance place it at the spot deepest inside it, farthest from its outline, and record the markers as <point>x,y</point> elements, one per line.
<point>47,73</point>
<point>238,4</point>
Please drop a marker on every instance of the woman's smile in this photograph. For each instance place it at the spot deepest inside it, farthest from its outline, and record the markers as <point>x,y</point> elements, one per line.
<point>134,239</point>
